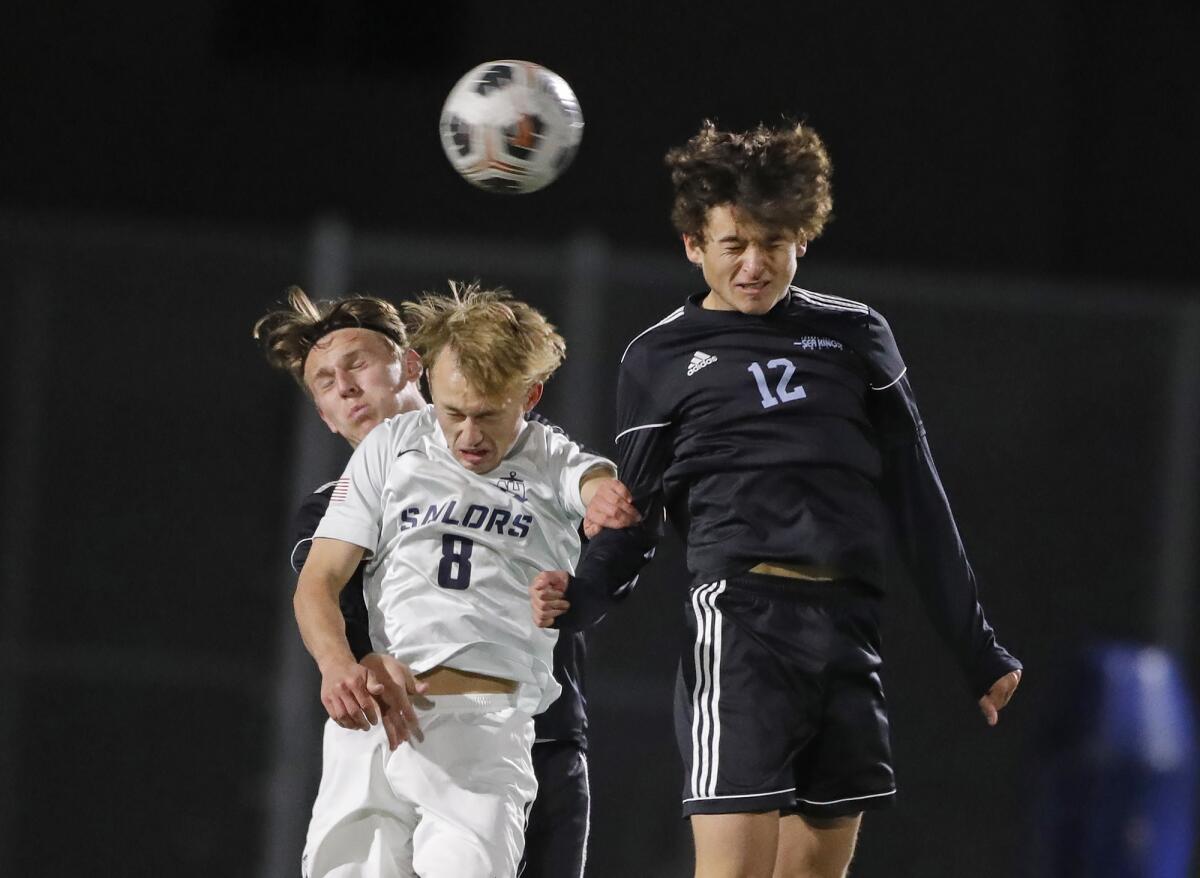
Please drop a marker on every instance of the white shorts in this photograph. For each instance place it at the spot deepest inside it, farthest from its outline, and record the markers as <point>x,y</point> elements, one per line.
<point>452,806</point>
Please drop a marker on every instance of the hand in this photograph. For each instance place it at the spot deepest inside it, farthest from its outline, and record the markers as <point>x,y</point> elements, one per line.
<point>612,507</point>
<point>397,686</point>
<point>348,692</point>
<point>999,696</point>
<point>546,597</point>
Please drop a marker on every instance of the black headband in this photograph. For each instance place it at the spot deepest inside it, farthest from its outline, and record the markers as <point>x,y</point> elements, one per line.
<point>334,322</point>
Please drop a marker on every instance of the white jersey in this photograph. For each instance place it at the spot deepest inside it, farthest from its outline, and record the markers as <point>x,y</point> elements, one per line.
<point>450,553</point>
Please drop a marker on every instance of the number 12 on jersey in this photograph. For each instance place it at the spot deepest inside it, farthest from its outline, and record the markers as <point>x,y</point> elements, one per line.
<point>783,393</point>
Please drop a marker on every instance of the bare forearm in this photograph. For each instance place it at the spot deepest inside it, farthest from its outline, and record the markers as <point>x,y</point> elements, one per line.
<point>322,627</point>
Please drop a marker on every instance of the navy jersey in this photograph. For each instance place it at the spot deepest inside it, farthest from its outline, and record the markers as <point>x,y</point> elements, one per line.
<point>794,437</point>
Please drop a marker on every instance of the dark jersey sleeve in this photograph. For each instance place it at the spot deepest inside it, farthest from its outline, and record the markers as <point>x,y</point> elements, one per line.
<point>610,565</point>
<point>566,718</point>
<point>351,600</point>
<point>928,537</point>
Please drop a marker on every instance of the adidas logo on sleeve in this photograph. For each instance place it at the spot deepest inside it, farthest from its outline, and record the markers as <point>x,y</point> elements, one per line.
<point>699,361</point>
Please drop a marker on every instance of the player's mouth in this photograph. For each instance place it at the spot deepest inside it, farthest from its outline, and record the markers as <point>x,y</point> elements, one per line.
<point>754,289</point>
<point>473,457</point>
<point>360,411</point>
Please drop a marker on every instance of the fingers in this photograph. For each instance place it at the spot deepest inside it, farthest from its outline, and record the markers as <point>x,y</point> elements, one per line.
<point>348,693</point>
<point>550,579</point>
<point>611,507</point>
<point>999,696</point>
<point>990,713</point>
<point>364,700</point>
<point>409,687</point>
<point>396,728</point>
<point>545,611</point>
<point>345,709</point>
<point>546,597</point>
<point>397,685</point>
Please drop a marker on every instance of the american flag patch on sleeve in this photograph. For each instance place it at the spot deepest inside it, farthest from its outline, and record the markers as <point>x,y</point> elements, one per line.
<point>340,489</point>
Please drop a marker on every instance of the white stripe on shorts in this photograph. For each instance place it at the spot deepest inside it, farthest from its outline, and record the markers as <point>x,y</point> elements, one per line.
<point>706,695</point>
<point>587,817</point>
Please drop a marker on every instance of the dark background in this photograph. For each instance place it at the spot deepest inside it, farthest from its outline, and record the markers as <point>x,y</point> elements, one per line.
<point>1014,188</point>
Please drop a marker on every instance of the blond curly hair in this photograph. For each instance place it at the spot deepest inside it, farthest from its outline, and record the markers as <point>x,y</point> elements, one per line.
<point>500,342</point>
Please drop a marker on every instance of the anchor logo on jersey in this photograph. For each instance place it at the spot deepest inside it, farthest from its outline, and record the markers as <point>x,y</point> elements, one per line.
<point>514,485</point>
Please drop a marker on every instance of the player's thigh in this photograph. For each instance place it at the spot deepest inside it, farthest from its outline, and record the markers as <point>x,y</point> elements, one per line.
<point>744,703</point>
<point>557,830</point>
<point>359,827</point>
<point>472,778</point>
<point>735,845</point>
<point>815,848</point>
<point>847,767</point>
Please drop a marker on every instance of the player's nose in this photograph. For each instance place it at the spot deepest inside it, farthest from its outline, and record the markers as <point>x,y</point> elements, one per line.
<point>346,384</point>
<point>471,434</point>
<point>752,261</point>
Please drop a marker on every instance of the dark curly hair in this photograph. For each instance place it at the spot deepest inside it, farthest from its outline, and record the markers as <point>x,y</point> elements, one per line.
<point>779,176</point>
<point>288,334</point>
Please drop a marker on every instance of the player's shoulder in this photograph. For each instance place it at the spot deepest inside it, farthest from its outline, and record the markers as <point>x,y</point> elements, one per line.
<point>860,325</point>
<point>545,423</point>
<point>830,306</point>
<point>654,334</point>
<point>312,507</point>
<point>406,426</point>
<point>543,437</point>
<point>308,516</point>
<point>838,310</point>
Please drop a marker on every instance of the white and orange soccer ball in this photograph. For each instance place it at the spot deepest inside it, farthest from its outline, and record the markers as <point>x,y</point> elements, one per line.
<point>511,126</point>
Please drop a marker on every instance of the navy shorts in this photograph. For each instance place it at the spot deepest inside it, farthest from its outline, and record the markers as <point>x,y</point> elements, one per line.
<point>556,832</point>
<point>778,703</point>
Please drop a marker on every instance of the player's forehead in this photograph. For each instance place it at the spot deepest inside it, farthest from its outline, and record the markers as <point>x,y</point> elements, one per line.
<point>453,390</point>
<point>730,222</point>
<point>340,344</point>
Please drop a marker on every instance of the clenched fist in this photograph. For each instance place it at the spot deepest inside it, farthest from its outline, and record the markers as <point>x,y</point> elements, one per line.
<point>546,597</point>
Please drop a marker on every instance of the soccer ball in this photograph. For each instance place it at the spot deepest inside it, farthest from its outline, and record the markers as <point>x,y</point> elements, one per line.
<point>511,126</point>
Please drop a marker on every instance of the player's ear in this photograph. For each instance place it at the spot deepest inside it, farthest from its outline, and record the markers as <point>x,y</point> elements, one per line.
<point>535,394</point>
<point>412,366</point>
<point>801,246</point>
<point>694,248</point>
